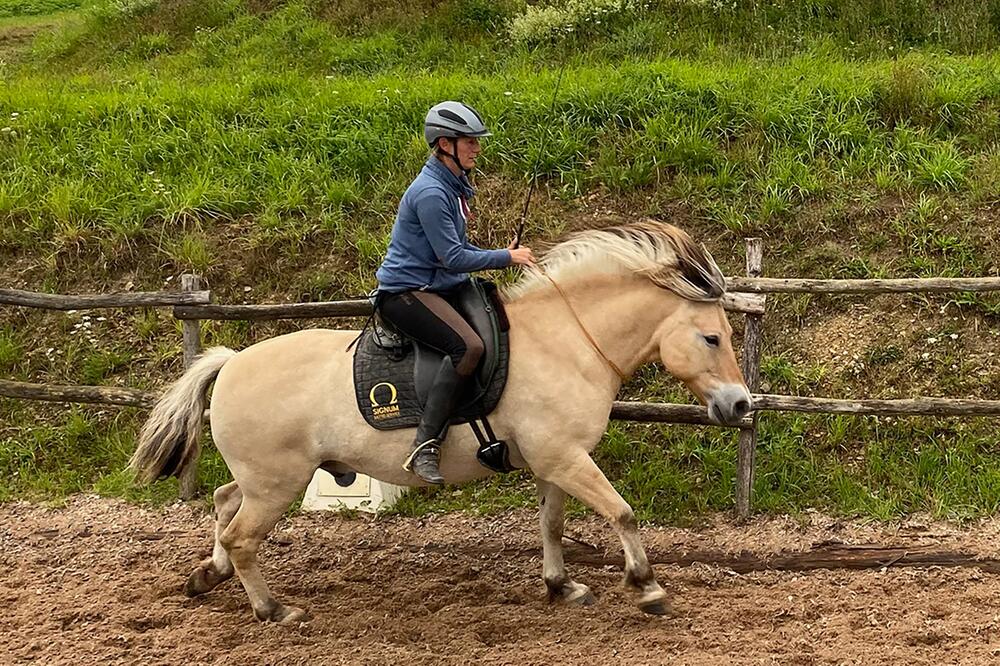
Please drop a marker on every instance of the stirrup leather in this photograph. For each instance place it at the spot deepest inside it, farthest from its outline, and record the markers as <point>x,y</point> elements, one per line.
<point>432,445</point>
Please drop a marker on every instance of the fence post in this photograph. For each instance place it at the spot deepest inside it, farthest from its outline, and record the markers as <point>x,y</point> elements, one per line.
<point>751,374</point>
<point>191,331</point>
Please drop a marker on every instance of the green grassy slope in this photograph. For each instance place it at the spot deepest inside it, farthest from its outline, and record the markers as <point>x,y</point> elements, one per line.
<point>264,145</point>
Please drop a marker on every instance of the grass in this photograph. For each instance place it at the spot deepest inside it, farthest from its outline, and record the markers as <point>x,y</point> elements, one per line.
<point>47,455</point>
<point>268,149</point>
<point>175,158</point>
<point>21,8</point>
<point>882,468</point>
<point>11,349</point>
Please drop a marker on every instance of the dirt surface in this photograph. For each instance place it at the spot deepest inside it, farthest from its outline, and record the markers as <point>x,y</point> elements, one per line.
<point>15,39</point>
<point>99,581</point>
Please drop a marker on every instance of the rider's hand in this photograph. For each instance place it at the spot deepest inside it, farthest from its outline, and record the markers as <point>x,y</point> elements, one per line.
<point>521,255</point>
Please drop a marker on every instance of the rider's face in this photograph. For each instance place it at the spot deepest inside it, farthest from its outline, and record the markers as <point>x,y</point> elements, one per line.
<point>468,149</point>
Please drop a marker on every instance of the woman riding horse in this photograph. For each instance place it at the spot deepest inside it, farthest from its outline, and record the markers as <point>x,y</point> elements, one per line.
<point>428,264</point>
<point>598,306</point>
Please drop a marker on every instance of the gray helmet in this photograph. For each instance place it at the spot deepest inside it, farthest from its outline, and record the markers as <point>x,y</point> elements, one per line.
<point>452,119</point>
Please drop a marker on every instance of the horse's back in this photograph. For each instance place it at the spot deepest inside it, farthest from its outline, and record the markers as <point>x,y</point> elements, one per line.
<point>284,381</point>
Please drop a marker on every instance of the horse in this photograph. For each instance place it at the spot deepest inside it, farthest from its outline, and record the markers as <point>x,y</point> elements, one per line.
<point>597,306</point>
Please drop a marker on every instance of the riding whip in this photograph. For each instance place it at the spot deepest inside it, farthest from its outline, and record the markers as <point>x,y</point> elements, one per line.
<point>538,157</point>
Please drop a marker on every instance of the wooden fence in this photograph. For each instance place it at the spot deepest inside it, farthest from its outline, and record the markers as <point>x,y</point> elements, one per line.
<point>747,296</point>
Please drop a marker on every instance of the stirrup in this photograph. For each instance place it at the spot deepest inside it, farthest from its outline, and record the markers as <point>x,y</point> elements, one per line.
<point>493,453</point>
<point>495,456</point>
<point>431,444</point>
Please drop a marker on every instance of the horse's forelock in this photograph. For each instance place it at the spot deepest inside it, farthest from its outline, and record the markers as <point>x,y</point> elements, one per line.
<point>694,275</point>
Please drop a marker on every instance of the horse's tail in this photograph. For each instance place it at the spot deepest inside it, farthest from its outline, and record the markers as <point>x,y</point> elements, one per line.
<point>170,439</point>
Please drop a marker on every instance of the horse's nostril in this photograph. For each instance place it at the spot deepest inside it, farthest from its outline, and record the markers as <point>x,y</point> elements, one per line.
<point>741,407</point>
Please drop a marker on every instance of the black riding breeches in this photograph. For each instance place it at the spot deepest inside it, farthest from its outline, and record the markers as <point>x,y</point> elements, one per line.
<point>431,319</point>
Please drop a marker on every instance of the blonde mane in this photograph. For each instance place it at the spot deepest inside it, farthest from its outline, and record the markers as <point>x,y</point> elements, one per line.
<point>659,251</point>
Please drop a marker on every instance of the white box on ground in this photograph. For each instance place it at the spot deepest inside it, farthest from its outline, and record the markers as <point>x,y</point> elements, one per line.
<point>365,494</point>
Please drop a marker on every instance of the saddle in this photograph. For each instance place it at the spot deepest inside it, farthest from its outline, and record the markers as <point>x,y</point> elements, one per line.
<point>393,373</point>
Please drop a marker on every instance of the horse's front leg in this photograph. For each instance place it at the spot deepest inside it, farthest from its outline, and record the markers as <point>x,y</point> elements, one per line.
<point>577,474</point>
<point>551,505</point>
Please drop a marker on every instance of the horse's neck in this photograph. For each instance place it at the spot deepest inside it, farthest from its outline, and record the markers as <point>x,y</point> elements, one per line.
<point>620,313</point>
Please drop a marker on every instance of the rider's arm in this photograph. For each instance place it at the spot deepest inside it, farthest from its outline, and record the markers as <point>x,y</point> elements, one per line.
<point>436,217</point>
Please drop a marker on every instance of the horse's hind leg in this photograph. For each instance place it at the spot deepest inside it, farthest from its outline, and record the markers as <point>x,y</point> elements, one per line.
<point>256,517</point>
<point>552,501</point>
<point>217,568</point>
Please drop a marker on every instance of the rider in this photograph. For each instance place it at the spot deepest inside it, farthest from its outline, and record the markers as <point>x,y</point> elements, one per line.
<point>427,264</point>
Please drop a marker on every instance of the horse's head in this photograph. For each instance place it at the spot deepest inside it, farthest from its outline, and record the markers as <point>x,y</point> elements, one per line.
<point>695,344</point>
<point>695,340</point>
<point>690,330</point>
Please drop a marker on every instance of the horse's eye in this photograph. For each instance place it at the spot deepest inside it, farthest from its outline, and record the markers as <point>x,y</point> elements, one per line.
<point>712,340</point>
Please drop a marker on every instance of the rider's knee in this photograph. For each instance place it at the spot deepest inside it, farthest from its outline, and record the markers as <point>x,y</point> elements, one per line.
<point>470,356</point>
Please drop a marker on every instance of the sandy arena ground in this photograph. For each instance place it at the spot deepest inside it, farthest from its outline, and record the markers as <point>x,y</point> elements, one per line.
<point>99,582</point>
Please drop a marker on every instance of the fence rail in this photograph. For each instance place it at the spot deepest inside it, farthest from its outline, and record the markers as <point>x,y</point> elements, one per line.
<point>745,303</point>
<point>101,395</point>
<point>748,294</point>
<point>137,299</point>
<point>622,410</point>
<point>759,285</point>
<point>360,308</point>
<point>666,412</point>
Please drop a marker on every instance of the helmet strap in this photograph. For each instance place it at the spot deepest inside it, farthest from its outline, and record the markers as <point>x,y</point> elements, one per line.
<point>453,155</point>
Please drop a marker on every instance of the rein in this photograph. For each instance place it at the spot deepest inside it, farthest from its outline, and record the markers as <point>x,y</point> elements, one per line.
<point>621,375</point>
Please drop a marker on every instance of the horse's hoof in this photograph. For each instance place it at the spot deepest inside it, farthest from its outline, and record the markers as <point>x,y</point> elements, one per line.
<point>580,596</point>
<point>291,615</point>
<point>566,592</point>
<point>655,608</point>
<point>279,614</point>
<point>203,580</point>
<point>655,602</point>
<point>197,583</point>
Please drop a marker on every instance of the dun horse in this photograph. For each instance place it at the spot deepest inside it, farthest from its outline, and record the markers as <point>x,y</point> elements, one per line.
<point>600,305</point>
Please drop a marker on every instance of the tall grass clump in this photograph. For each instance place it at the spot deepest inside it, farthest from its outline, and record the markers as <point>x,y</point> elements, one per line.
<point>539,23</point>
<point>195,151</point>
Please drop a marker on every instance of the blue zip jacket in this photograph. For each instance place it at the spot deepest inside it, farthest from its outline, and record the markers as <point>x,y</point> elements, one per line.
<point>428,248</point>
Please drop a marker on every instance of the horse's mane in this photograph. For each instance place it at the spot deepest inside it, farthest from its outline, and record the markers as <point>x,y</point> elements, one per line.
<point>662,252</point>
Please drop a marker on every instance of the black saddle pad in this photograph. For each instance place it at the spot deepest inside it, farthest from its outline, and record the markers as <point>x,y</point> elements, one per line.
<point>388,393</point>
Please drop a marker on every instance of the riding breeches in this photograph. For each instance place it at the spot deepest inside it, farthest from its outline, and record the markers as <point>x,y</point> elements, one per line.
<point>431,319</point>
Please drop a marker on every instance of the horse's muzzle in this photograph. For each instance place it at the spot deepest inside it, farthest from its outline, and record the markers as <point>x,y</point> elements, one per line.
<point>728,404</point>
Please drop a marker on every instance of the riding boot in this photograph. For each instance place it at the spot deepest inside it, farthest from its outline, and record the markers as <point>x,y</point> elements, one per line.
<point>433,426</point>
